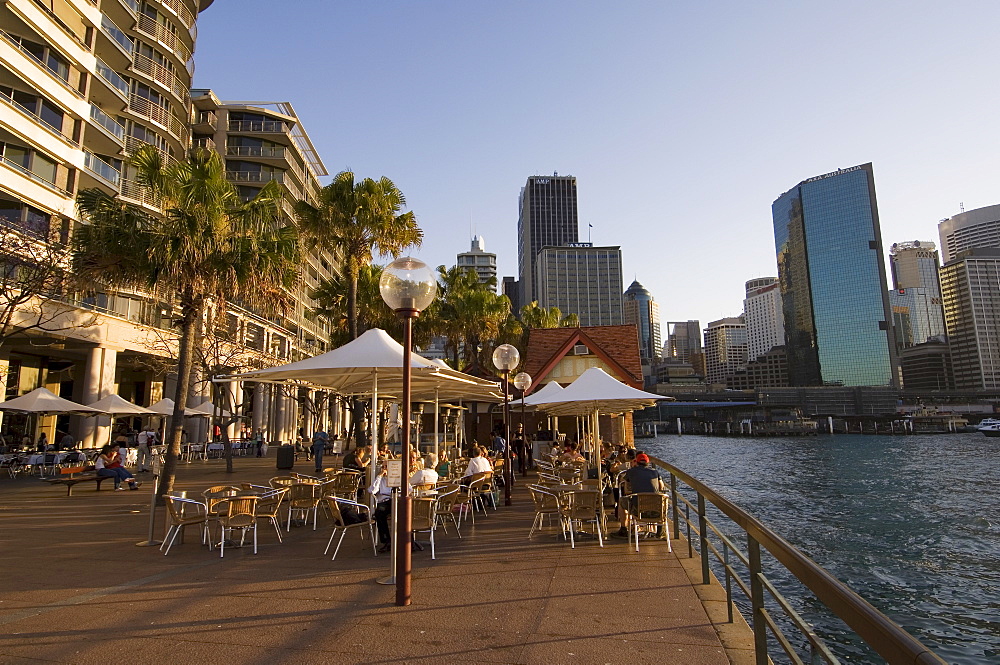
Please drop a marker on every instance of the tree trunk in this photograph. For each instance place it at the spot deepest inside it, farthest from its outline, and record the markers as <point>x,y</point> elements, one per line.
<point>352,306</point>
<point>191,307</point>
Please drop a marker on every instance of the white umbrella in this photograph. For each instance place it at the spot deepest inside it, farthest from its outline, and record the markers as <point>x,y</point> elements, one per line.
<point>43,401</point>
<point>206,408</point>
<point>596,390</point>
<point>165,407</point>
<point>115,405</point>
<point>546,394</point>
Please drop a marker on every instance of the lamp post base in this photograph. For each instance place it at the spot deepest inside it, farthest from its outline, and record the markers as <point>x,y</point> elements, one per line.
<point>386,580</point>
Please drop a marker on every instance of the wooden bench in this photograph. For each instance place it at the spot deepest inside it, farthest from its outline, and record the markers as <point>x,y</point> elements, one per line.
<point>70,476</point>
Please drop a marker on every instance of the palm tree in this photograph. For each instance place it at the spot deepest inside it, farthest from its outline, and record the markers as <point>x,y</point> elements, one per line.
<point>535,316</point>
<point>355,220</point>
<point>332,294</point>
<point>209,245</point>
<point>472,315</point>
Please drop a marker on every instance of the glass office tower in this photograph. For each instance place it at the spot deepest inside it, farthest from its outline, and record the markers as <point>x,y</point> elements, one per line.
<point>833,282</point>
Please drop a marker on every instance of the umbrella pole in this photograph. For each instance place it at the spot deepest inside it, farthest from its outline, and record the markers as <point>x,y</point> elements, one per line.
<point>437,419</point>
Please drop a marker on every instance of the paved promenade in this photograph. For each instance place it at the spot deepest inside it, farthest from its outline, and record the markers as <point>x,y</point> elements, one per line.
<point>76,589</point>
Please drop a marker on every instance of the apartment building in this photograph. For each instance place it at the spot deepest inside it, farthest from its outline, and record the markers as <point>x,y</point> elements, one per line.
<point>83,85</point>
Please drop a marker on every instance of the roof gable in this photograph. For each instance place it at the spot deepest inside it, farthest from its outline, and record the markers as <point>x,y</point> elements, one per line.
<point>617,346</point>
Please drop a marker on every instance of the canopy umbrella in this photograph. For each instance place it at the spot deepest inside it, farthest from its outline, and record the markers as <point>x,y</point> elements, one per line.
<point>115,405</point>
<point>545,394</point>
<point>44,402</point>
<point>165,407</point>
<point>595,392</point>
<point>206,408</point>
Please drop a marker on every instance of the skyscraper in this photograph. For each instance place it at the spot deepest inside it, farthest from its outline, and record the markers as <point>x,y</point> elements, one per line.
<point>683,340</point>
<point>582,280</point>
<point>975,228</point>
<point>725,348</point>
<point>970,288</point>
<point>833,282</point>
<point>764,319</point>
<point>547,217</point>
<point>478,259</point>
<point>639,308</point>
<point>916,295</point>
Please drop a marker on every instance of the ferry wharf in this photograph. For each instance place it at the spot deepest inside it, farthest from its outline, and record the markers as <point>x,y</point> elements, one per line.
<point>77,589</point>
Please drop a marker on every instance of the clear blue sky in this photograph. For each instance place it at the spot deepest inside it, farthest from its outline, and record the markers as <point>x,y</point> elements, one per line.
<point>681,121</point>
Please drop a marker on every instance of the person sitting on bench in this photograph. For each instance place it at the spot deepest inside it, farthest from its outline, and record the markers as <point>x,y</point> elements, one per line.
<point>109,463</point>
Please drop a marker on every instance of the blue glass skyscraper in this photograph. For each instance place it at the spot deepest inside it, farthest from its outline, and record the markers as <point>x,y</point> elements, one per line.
<point>833,282</point>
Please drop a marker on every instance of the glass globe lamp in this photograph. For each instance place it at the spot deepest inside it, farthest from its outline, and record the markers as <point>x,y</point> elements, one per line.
<point>522,381</point>
<point>506,357</point>
<point>407,284</point>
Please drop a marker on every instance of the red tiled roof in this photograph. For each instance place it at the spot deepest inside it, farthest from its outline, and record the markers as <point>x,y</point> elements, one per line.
<point>618,346</point>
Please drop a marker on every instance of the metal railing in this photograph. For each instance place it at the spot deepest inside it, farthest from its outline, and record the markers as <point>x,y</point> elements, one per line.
<point>255,151</point>
<point>99,167</point>
<point>113,78</point>
<point>133,144</point>
<point>24,170</point>
<point>261,126</point>
<point>161,74</point>
<point>35,117</point>
<point>58,75</point>
<point>769,609</point>
<point>107,122</point>
<point>130,189</point>
<point>255,176</point>
<point>158,114</point>
<point>162,34</point>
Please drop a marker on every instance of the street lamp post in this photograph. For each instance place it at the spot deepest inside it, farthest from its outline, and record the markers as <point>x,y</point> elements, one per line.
<point>522,381</point>
<point>408,286</point>
<point>505,359</point>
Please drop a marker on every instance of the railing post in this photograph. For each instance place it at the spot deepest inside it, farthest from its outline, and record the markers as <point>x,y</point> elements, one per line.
<point>687,523</point>
<point>673,502</point>
<point>757,601</point>
<point>703,536</point>
<point>729,582</point>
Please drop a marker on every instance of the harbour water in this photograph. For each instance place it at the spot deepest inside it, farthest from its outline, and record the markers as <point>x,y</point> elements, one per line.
<point>912,523</point>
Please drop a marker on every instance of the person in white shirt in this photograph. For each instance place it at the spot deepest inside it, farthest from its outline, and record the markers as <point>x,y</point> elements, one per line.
<point>477,464</point>
<point>382,494</point>
<point>426,475</point>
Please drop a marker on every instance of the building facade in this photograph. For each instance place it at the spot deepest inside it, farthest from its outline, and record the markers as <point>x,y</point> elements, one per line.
<point>640,309</point>
<point>83,86</point>
<point>725,348</point>
<point>916,296</point>
<point>582,280</point>
<point>547,216</point>
<point>763,315</point>
<point>970,289</point>
<point>967,230</point>
<point>483,262</point>
<point>838,323</point>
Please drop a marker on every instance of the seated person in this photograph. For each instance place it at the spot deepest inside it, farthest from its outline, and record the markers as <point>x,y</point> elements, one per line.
<point>443,466</point>
<point>109,464</point>
<point>570,455</point>
<point>425,473</point>
<point>358,458</point>
<point>477,464</point>
<point>641,478</point>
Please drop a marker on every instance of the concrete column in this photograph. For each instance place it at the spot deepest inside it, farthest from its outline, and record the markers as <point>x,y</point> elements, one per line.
<point>98,381</point>
<point>280,415</point>
<point>235,389</point>
<point>4,368</point>
<point>259,412</point>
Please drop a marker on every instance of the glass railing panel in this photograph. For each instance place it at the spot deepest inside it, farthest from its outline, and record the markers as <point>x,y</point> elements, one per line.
<point>107,122</point>
<point>112,77</point>
<point>101,168</point>
<point>117,34</point>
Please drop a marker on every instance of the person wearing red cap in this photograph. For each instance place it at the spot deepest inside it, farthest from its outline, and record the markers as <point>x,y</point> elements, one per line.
<point>640,479</point>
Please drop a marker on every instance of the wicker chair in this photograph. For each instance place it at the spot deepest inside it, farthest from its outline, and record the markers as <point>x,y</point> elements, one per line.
<point>547,505</point>
<point>241,513</point>
<point>580,508</point>
<point>425,518</point>
<point>269,507</point>
<point>182,513</point>
<point>648,509</point>
<point>303,498</point>
<point>447,502</point>
<point>333,504</point>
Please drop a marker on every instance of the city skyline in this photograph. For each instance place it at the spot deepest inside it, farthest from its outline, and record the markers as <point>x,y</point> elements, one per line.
<point>674,120</point>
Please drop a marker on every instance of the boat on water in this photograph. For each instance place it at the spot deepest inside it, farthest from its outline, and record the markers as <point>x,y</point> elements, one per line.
<point>987,423</point>
<point>991,430</point>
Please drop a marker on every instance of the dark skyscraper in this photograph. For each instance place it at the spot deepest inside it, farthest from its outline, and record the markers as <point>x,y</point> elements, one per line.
<point>548,217</point>
<point>833,282</point>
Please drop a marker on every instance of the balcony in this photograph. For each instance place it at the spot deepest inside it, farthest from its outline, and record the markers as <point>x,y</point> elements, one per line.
<point>104,171</point>
<point>108,124</point>
<point>259,126</point>
<point>162,34</point>
<point>112,78</point>
<point>117,35</point>
<point>205,122</point>
<point>205,142</point>
<point>255,176</point>
<point>255,151</point>
<point>162,75</point>
<point>183,12</point>
<point>132,191</point>
<point>144,108</point>
<point>132,144</point>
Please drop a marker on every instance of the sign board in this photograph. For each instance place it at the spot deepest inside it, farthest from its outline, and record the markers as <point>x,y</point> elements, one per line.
<point>394,475</point>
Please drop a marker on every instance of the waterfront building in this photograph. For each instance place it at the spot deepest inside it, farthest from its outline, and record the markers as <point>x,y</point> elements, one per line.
<point>547,216</point>
<point>641,310</point>
<point>916,296</point>
<point>834,401</point>
<point>582,280</point>
<point>970,290</point>
<point>725,348</point>
<point>927,367</point>
<point>768,370</point>
<point>969,229</point>
<point>838,324</point>
<point>483,262</point>
<point>763,315</point>
<point>83,85</point>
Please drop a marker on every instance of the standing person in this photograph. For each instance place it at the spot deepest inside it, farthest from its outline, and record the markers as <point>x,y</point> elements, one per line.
<point>43,442</point>
<point>382,494</point>
<point>258,439</point>
<point>319,441</point>
<point>144,441</point>
<point>499,444</point>
<point>522,466</point>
